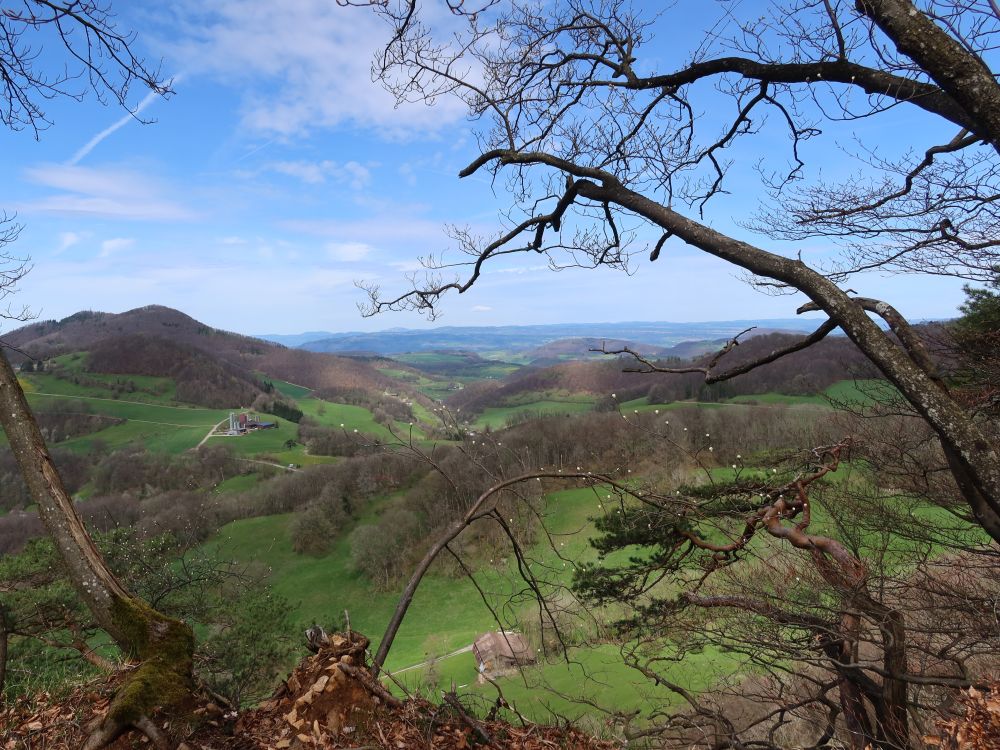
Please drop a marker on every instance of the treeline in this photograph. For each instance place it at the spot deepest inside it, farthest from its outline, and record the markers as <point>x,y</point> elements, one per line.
<point>201,379</point>
<point>809,371</point>
<point>321,440</point>
<point>390,407</point>
<point>387,549</point>
<point>71,419</point>
<point>320,371</point>
<point>126,486</point>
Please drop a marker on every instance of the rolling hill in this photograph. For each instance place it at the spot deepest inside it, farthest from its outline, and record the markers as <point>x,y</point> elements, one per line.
<point>86,330</point>
<point>584,382</point>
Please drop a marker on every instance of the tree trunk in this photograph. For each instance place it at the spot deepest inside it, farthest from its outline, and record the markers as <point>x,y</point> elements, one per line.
<point>852,701</point>
<point>164,646</point>
<point>4,650</point>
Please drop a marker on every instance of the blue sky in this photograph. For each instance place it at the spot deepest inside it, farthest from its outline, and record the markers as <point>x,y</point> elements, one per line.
<point>279,174</point>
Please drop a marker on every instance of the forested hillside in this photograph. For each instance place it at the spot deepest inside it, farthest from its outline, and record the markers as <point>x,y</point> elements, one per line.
<point>746,539</point>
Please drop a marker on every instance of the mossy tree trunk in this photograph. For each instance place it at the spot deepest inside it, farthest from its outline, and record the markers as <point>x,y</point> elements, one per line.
<point>4,649</point>
<point>162,645</point>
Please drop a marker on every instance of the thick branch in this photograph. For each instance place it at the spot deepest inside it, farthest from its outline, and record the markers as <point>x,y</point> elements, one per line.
<point>961,75</point>
<point>873,81</point>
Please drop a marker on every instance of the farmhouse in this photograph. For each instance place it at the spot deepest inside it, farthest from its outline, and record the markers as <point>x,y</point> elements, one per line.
<point>501,651</point>
<point>241,424</point>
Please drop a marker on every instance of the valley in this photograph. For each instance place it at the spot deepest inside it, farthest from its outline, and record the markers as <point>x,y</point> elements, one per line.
<point>330,507</point>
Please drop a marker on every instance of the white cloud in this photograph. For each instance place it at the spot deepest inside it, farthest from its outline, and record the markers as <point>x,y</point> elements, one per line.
<point>357,176</point>
<point>115,245</point>
<point>232,241</point>
<point>348,251</point>
<point>481,308</point>
<point>379,230</point>
<point>67,240</point>
<point>112,193</point>
<point>306,64</point>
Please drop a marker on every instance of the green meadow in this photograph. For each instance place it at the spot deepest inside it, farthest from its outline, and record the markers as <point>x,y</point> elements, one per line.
<point>285,388</point>
<point>448,613</point>
<point>496,417</point>
<point>849,392</point>
<point>158,427</point>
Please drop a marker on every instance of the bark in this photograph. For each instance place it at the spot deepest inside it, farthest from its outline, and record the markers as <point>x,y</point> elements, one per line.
<point>4,646</point>
<point>872,81</point>
<point>959,73</point>
<point>852,702</point>
<point>888,727</point>
<point>163,645</point>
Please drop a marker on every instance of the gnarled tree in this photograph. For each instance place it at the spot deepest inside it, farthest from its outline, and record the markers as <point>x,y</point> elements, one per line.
<point>592,139</point>
<point>100,58</point>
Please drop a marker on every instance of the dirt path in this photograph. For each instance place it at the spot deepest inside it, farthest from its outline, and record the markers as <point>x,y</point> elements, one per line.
<point>267,463</point>
<point>463,650</point>
<point>115,400</point>
<point>211,431</point>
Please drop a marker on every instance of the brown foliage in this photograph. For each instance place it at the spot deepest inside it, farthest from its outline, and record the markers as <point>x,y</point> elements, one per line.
<point>329,701</point>
<point>805,372</point>
<point>201,378</point>
<point>978,729</point>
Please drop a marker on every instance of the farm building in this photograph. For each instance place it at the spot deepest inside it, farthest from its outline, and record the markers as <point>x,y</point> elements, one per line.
<point>501,651</point>
<point>241,424</point>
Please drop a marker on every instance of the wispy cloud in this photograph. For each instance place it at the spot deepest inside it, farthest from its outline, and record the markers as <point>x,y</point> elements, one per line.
<point>115,245</point>
<point>305,65</point>
<point>355,175</point>
<point>348,251</point>
<point>110,193</point>
<point>67,240</point>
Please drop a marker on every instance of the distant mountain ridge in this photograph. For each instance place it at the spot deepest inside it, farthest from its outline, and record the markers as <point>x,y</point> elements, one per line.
<point>518,338</point>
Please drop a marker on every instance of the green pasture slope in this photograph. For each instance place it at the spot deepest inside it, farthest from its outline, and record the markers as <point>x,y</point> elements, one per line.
<point>496,417</point>
<point>148,389</point>
<point>352,417</point>
<point>161,425</point>
<point>852,392</point>
<point>288,389</point>
<point>448,613</point>
<point>437,387</point>
<point>158,427</point>
<point>457,366</point>
<point>856,392</point>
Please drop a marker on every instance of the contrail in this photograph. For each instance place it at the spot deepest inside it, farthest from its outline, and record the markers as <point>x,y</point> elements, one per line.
<point>90,145</point>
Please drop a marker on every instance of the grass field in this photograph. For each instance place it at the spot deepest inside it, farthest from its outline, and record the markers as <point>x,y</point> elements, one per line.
<point>860,392</point>
<point>288,389</point>
<point>358,418</point>
<point>158,427</point>
<point>457,366</point>
<point>854,392</point>
<point>846,391</point>
<point>148,389</point>
<point>497,416</point>
<point>448,613</point>
<point>175,428</point>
